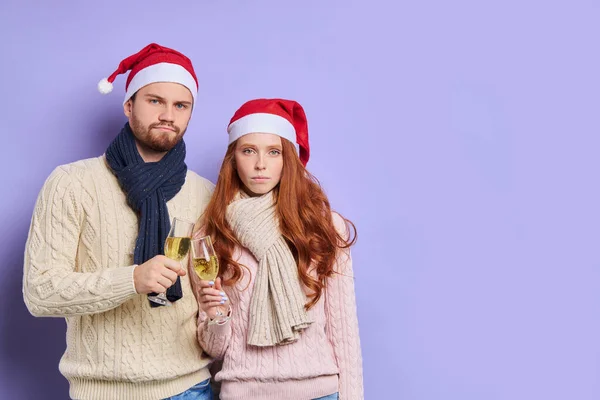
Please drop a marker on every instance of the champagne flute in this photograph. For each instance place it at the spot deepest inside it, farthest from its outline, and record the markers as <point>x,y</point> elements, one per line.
<point>177,247</point>
<point>205,261</point>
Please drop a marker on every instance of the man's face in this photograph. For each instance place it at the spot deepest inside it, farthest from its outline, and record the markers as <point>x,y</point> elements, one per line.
<point>159,115</point>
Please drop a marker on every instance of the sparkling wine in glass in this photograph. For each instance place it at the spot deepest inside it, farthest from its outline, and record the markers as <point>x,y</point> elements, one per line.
<point>204,259</point>
<point>177,247</point>
<point>206,266</point>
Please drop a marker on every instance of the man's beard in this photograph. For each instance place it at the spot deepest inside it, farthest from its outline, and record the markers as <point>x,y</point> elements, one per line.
<point>159,142</point>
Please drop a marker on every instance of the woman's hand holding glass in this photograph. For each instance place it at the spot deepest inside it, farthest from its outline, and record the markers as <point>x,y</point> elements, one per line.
<point>211,297</point>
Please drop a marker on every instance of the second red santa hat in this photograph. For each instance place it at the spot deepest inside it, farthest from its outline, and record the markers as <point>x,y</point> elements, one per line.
<point>285,118</point>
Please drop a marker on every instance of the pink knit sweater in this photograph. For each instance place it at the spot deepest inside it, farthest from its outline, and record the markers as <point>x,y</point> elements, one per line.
<point>326,359</point>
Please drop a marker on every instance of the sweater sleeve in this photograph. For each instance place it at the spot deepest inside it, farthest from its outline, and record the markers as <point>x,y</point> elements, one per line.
<point>52,284</point>
<point>342,324</point>
<point>214,339</point>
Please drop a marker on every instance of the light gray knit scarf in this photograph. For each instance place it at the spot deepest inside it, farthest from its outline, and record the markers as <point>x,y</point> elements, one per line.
<point>277,314</point>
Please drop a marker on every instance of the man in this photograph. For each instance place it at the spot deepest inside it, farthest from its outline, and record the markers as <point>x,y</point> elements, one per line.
<point>93,255</point>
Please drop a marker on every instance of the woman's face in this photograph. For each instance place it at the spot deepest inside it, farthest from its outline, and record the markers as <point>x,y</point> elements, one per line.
<point>259,161</point>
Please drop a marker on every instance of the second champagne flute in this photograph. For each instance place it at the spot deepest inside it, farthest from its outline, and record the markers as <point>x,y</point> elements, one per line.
<point>206,264</point>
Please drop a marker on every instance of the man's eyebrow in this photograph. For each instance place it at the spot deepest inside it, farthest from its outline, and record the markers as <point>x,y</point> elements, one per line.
<point>189,103</point>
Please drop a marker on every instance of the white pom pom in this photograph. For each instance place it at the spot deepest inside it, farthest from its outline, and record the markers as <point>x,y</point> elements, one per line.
<point>104,86</point>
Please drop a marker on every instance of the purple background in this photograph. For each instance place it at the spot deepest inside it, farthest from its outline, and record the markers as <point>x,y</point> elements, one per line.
<point>461,138</point>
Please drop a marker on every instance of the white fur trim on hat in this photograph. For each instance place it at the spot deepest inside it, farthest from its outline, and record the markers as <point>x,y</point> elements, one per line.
<point>262,123</point>
<point>162,72</point>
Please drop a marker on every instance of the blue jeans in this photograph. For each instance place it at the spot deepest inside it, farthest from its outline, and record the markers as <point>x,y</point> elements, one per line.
<point>334,396</point>
<point>201,391</point>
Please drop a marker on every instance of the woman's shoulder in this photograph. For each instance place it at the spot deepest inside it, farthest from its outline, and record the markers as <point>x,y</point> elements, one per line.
<point>340,224</point>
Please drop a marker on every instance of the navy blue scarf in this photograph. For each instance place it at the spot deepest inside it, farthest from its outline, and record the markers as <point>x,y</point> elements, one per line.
<point>148,187</point>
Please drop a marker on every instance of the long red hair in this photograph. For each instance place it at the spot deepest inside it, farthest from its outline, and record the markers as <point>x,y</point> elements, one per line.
<point>304,217</point>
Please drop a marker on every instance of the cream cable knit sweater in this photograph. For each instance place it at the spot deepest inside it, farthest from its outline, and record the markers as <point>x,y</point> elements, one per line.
<point>78,265</point>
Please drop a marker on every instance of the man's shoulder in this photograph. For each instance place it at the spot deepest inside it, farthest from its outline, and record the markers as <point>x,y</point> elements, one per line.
<point>69,181</point>
<point>199,181</point>
<point>78,171</point>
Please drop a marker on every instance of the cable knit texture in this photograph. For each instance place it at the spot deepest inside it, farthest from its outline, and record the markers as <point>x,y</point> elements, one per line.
<point>277,313</point>
<point>325,359</point>
<point>79,265</point>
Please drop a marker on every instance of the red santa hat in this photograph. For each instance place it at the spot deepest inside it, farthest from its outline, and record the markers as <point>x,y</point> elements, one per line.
<point>281,117</point>
<point>154,63</point>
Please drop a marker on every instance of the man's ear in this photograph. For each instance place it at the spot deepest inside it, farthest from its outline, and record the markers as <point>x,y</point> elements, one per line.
<point>128,107</point>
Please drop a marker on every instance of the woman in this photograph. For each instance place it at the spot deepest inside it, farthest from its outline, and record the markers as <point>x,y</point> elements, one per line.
<point>284,320</point>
